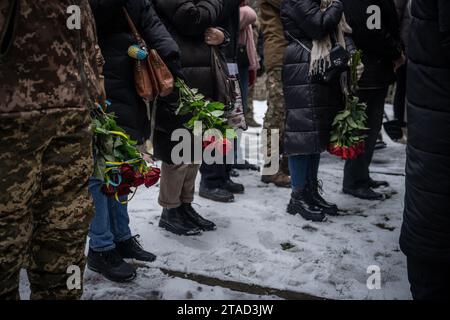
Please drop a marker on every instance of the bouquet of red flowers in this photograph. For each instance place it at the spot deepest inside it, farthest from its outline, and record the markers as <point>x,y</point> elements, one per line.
<point>210,114</point>
<point>118,162</point>
<point>346,139</point>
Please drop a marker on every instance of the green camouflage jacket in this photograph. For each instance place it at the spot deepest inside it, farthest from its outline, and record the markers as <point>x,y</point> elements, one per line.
<point>44,64</point>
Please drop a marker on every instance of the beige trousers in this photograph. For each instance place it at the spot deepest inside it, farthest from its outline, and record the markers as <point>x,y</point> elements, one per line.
<point>177,184</point>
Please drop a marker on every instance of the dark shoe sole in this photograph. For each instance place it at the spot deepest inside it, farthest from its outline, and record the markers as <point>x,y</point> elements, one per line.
<point>119,280</point>
<point>384,185</point>
<point>378,198</point>
<point>235,192</point>
<point>228,200</point>
<point>167,226</point>
<point>331,212</point>
<point>291,210</point>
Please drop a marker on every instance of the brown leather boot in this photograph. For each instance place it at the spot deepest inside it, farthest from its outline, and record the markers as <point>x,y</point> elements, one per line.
<point>279,179</point>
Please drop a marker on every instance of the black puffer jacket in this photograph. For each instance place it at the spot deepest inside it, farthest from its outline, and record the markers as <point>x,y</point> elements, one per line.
<point>115,38</point>
<point>311,106</point>
<point>187,21</point>
<point>426,227</point>
<point>380,47</point>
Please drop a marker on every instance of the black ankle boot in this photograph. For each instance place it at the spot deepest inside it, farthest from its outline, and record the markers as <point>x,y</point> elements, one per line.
<point>111,265</point>
<point>197,219</point>
<point>299,204</point>
<point>175,221</point>
<point>314,190</point>
<point>132,249</point>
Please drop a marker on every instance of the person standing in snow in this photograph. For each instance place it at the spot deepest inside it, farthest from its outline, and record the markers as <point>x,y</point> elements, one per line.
<point>274,46</point>
<point>49,81</point>
<point>193,25</point>
<point>111,240</point>
<point>311,104</point>
<point>382,55</point>
<point>425,235</point>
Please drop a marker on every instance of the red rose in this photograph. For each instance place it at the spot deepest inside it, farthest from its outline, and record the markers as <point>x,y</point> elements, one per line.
<point>345,153</point>
<point>352,152</point>
<point>123,189</point>
<point>224,146</point>
<point>152,177</point>
<point>127,173</point>
<point>335,150</point>
<point>108,190</point>
<point>139,179</point>
<point>361,147</point>
<point>208,140</point>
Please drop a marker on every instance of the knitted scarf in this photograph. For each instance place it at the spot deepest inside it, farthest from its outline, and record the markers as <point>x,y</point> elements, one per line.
<point>320,52</point>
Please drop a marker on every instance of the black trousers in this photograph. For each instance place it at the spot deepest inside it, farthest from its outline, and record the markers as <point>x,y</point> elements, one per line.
<point>429,280</point>
<point>356,172</point>
<point>214,175</point>
<point>400,95</point>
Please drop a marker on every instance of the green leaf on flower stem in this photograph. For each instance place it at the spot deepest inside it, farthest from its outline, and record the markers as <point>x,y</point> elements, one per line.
<point>199,97</point>
<point>215,106</point>
<point>334,138</point>
<point>217,113</point>
<point>351,123</point>
<point>197,104</point>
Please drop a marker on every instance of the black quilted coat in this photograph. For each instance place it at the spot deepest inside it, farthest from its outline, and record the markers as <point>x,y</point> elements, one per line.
<point>115,38</point>
<point>426,228</point>
<point>311,107</point>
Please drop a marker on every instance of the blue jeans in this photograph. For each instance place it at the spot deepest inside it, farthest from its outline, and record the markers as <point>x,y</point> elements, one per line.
<point>244,78</point>
<point>304,169</point>
<point>111,220</point>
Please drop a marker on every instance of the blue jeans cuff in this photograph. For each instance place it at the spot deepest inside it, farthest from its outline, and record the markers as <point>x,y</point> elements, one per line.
<point>124,238</point>
<point>104,249</point>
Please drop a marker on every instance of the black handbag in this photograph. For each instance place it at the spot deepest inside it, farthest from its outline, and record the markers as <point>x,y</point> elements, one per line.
<point>339,58</point>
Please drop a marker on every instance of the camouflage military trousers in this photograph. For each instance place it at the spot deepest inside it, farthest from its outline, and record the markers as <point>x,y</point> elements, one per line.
<point>274,118</point>
<point>45,207</point>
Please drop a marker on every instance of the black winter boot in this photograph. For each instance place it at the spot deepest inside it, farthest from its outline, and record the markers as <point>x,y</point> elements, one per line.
<point>111,265</point>
<point>216,194</point>
<point>299,204</point>
<point>234,187</point>
<point>314,190</point>
<point>176,221</point>
<point>132,249</point>
<point>197,219</point>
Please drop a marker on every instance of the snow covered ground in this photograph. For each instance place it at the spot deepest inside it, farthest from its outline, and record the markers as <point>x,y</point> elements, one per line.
<point>328,259</point>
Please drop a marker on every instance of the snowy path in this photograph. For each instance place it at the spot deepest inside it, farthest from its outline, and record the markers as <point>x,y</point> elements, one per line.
<point>328,259</point>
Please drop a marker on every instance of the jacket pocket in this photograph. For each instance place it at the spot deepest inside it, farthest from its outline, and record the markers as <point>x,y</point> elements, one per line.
<point>8,29</point>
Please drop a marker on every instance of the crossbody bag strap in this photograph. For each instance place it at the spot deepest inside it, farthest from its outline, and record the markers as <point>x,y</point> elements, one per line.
<point>134,30</point>
<point>298,41</point>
